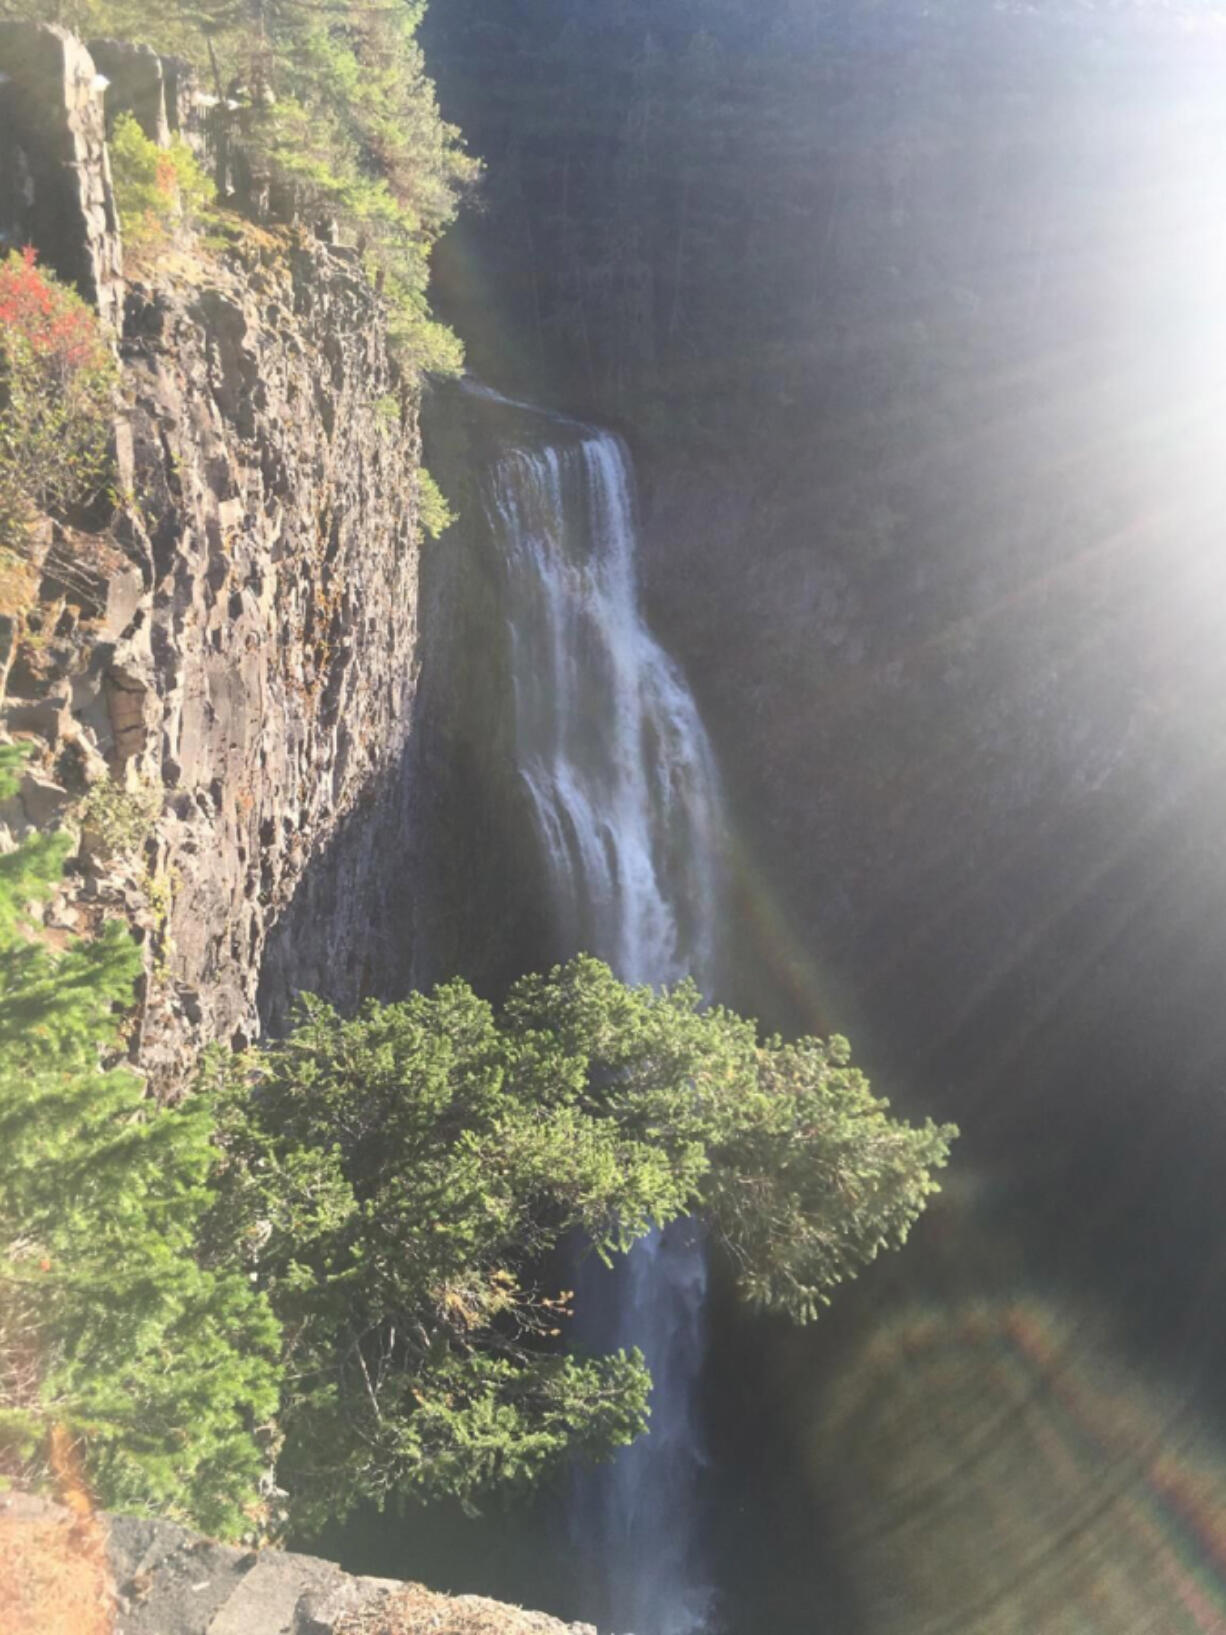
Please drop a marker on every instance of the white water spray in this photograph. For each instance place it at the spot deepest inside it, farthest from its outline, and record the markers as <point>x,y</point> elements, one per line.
<point>625,795</point>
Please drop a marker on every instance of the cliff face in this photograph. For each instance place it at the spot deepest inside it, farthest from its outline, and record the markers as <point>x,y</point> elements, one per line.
<point>216,680</point>
<point>269,686</point>
<point>227,669</point>
<point>55,183</point>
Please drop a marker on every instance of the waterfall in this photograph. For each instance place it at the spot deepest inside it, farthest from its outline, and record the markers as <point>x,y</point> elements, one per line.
<point>610,746</point>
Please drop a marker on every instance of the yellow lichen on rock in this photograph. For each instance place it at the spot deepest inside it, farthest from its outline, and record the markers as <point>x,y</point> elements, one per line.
<point>415,1610</point>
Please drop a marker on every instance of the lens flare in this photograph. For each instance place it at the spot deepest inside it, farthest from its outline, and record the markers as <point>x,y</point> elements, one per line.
<point>54,1578</point>
<point>1001,1469</point>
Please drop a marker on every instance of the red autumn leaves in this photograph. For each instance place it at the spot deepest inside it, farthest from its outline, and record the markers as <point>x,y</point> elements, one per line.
<point>45,317</point>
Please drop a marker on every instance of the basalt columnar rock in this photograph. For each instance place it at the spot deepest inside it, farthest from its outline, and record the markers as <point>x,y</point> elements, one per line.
<point>269,687</point>
<point>136,84</point>
<point>55,184</point>
<point>217,683</point>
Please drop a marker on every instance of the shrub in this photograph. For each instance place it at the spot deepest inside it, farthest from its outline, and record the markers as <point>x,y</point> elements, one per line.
<point>120,819</point>
<point>57,385</point>
<point>433,512</point>
<point>155,188</point>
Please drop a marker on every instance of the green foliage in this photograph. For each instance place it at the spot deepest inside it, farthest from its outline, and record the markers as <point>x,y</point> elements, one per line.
<point>394,1234</point>
<point>156,1368</point>
<point>783,1148</point>
<point>339,1244</point>
<point>155,188</point>
<point>433,512</point>
<point>120,818</point>
<point>57,385</point>
<point>813,1179</point>
<point>355,127</point>
<point>398,1181</point>
<point>335,104</point>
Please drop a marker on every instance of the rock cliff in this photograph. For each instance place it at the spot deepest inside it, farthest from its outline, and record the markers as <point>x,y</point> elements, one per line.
<point>218,680</point>
<point>270,685</point>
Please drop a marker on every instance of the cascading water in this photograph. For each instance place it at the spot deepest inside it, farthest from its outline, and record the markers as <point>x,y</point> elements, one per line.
<point>625,796</point>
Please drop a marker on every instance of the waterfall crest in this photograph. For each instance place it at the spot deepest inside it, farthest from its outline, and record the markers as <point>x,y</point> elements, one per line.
<point>611,748</point>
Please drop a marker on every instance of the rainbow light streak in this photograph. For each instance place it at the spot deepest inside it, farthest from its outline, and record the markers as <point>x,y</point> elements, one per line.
<point>1007,1472</point>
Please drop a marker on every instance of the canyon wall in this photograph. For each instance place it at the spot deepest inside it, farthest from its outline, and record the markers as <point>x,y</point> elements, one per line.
<point>217,680</point>
<point>913,321</point>
<point>214,672</point>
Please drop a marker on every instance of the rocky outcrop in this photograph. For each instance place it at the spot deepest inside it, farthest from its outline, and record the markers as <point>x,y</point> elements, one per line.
<point>270,684</point>
<point>55,184</point>
<point>136,84</point>
<point>170,1582</point>
<point>218,682</point>
<point>66,1568</point>
<point>167,1581</point>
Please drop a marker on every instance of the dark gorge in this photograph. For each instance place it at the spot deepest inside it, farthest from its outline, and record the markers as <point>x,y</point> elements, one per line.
<point>914,325</point>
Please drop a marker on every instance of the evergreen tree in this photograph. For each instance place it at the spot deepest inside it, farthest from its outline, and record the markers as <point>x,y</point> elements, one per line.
<point>333,103</point>
<point>342,1241</point>
<point>154,1368</point>
<point>401,1181</point>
